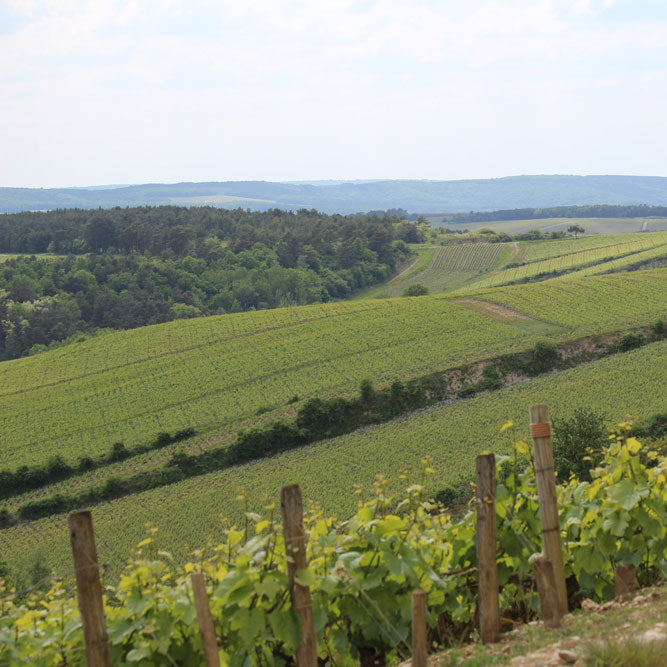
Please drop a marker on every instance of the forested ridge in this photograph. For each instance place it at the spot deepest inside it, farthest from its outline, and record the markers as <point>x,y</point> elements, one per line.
<point>125,268</point>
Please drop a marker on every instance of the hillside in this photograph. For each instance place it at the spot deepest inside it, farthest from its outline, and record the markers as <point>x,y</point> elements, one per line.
<point>218,372</point>
<point>459,267</point>
<point>415,196</point>
<point>186,513</point>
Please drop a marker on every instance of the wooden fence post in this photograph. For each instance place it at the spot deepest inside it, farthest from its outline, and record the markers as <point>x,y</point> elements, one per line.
<point>89,589</point>
<point>419,629</point>
<point>487,564</point>
<point>206,629</point>
<point>625,579</point>
<point>546,589</point>
<point>291,505</point>
<point>540,430</point>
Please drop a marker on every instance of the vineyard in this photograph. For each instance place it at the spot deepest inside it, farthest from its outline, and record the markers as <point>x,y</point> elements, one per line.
<point>538,250</point>
<point>217,373</point>
<point>626,250</point>
<point>466,257</point>
<point>187,512</point>
<point>591,225</point>
<point>638,259</point>
<point>359,573</point>
<point>449,267</point>
<point>576,304</point>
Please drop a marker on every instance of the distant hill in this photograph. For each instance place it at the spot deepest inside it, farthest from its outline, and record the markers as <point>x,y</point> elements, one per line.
<point>352,197</point>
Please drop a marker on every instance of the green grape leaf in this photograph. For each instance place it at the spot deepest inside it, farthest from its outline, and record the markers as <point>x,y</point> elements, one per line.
<point>286,627</point>
<point>624,493</point>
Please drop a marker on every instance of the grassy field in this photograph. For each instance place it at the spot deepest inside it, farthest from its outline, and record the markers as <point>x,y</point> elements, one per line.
<point>406,276</point>
<point>215,373</point>
<point>188,512</point>
<point>627,250</point>
<point>591,225</point>
<point>448,267</point>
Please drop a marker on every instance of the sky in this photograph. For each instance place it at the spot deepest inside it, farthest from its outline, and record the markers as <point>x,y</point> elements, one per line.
<point>136,91</point>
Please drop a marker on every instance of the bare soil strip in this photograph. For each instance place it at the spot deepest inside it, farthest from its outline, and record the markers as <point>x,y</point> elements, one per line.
<point>494,310</point>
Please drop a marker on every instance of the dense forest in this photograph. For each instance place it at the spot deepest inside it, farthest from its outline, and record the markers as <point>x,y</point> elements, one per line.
<point>125,268</point>
<point>594,211</point>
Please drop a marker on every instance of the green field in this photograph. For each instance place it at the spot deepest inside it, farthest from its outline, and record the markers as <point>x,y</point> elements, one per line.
<point>188,512</point>
<point>406,276</point>
<point>215,373</point>
<point>448,267</point>
<point>591,225</point>
<point>628,249</point>
<point>658,255</point>
<point>538,250</point>
<point>468,266</point>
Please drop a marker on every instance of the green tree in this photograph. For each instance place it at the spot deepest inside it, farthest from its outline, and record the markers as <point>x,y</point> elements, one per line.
<point>578,443</point>
<point>417,289</point>
<point>575,229</point>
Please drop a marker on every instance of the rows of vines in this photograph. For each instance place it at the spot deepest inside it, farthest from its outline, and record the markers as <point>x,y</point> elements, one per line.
<point>361,572</point>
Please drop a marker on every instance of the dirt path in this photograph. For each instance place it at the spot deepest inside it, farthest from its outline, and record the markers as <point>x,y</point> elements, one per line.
<point>494,310</point>
<point>515,249</point>
<point>407,269</point>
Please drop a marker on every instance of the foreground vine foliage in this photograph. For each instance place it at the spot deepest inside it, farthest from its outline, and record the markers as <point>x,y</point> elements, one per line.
<point>361,572</point>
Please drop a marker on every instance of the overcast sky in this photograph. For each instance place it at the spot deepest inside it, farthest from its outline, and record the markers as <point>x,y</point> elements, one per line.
<point>135,91</point>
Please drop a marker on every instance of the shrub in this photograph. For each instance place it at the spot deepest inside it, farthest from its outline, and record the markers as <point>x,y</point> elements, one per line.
<point>57,467</point>
<point>6,519</point>
<point>162,439</point>
<point>118,452</point>
<point>39,508</point>
<point>545,357</point>
<point>366,390</point>
<point>114,486</point>
<point>85,463</point>
<point>630,341</point>
<point>183,434</point>
<point>578,443</point>
<point>416,289</point>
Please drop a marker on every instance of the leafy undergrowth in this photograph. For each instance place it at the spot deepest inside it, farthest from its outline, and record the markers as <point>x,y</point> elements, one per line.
<point>628,633</point>
<point>361,573</point>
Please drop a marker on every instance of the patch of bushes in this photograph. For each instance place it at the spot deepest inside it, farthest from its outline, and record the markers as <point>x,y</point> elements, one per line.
<point>56,469</point>
<point>654,427</point>
<point>491,379</point>
<point>630,341</point>
<point>578,443</point>
<point>416,289</point>
<point>541,358</point>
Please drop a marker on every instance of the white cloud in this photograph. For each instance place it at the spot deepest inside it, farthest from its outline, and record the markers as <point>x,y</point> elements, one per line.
<point>130,90</point>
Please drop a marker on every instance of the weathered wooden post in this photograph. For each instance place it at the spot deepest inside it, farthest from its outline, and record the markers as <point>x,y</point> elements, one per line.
<point>487,564</point>
<point>546,589</point>
<point>419,629</point>
<point>89,589</point>
<point>540,430</point>
<point>625,579</point>
<point>205,620</point>
<point>291,505</point>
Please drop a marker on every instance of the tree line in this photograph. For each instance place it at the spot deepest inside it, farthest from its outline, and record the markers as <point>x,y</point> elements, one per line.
<point>591,211</point>
<point>182,263</point>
